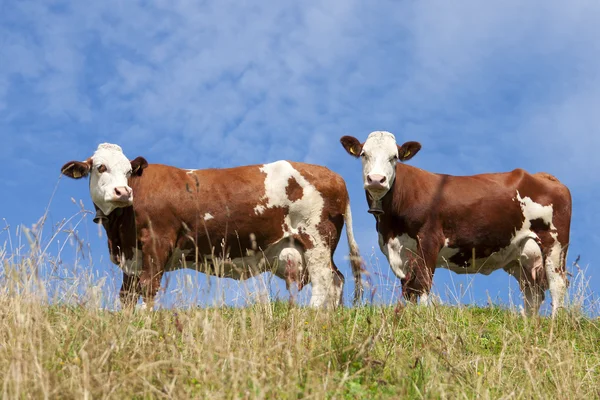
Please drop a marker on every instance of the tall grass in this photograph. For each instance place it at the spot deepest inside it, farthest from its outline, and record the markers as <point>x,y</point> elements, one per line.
<point>60,337</point>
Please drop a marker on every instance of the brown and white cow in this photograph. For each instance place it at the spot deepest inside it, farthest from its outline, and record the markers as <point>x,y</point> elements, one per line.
<point>514,221</point>
<point>283,217</point>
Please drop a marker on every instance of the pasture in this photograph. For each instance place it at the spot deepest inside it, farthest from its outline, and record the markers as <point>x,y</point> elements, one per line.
<point>276,351</point>
<point>70,348</point>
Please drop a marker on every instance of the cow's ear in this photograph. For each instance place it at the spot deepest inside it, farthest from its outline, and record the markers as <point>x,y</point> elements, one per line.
<point>77,169</point>
<point>408,150</point>
<point>138,165</point>
<point>352,145</point>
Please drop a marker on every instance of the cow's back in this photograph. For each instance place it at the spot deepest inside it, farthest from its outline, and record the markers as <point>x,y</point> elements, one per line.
<point>485,206</point>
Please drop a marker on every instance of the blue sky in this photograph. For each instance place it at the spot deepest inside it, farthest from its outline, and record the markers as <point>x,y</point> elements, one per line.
<point>484,86</point>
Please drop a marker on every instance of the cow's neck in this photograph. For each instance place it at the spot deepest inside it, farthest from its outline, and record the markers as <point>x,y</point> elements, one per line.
<point>408,190</point>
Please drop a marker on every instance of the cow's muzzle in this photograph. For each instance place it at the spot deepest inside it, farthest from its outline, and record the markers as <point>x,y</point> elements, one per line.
<point>123,194</point>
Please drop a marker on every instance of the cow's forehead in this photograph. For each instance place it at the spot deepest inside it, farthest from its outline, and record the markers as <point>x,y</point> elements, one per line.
<point>380,141</point>
<point>111,154</point>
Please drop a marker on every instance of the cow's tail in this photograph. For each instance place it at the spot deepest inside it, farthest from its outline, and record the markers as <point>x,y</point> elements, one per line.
<point>355,259</point>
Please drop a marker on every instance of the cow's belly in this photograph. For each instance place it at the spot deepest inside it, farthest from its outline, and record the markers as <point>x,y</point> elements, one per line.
<point>236,268</point>
<point>402,249</point>
<point>477,264</point>
<point>283,258</point>
<point>275,258</point>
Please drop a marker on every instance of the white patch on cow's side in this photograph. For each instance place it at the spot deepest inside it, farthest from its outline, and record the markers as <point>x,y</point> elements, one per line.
<point>379,157</point>
<point>103,184</point>
<point>303,217</point>
<point>532,210</point>
<point>208,217</point>
<point>191,171</point>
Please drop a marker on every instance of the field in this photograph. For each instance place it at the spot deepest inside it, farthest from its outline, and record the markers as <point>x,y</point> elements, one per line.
<point>277,351</point>
<point>73,349</point>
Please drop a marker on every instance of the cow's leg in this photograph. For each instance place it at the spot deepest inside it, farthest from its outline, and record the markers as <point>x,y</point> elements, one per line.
<point>533,297</point>
<point>149,285</point>
<point>156,252</point>
<point>556,276</point>
<point>130,292</point>
<point>411,266</point>
<point>417,284</point>
<point>336,294</point>
<point>528,273</point>
<point>326,281</point>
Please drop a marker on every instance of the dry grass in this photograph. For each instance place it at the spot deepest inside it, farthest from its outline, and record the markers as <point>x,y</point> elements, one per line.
<point>277,351</point>
<point>72,349</point>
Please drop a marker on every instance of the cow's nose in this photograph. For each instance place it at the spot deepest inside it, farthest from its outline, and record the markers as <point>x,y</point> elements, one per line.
<point>376,179</point>
<point>122,193</point>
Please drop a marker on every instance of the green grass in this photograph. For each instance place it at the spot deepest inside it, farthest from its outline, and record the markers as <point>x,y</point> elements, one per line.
<point>277,351</point>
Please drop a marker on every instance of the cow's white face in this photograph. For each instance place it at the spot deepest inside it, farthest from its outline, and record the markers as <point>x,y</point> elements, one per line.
<point>108,178</point>
<point>109,171</point>
<point>379,154</point>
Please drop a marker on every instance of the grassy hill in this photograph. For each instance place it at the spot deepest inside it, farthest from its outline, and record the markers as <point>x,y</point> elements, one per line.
<point>276,350</point>
<point>279,351</point>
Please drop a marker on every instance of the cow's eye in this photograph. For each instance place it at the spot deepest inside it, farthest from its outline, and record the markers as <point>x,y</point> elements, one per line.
<point>363,154</point>
<point>128,174</point>
<point>394,158</point>
<point>101,168</point>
